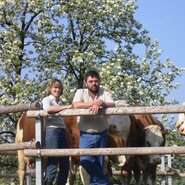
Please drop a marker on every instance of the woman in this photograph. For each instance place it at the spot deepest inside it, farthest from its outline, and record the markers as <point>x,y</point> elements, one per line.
<point>55,136</point>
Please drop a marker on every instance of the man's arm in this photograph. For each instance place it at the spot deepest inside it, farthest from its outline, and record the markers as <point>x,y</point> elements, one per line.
<point>93,106</point>
<point>82,105</point>
<point>87,105</point>
<point>109,104</point>
<point>98,102</point>
<point>104,104</point>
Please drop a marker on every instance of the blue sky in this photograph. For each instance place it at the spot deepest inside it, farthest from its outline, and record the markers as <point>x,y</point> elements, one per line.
<point>164,19</point>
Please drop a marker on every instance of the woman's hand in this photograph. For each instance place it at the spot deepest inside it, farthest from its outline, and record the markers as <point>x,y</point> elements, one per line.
<point>69,106</point>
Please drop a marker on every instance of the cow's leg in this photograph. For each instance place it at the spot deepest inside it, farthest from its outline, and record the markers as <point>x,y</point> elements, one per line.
<point>150,172</point>
<point>84,176</point>
<point>125,177</point>
<point>145,176</point>
<point>21,166</point>
<point>72,172</point>
<point>137,176</point>
<point>71,178</point>
<point>123,181</point>
<point>153,169</point>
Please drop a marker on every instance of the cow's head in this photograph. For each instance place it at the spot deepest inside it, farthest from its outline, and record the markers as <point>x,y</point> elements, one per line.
<point>115,141</point>
<point>120,125</point>
<point>180,124</point>
<point>154,137</point>
<point>119,128</point>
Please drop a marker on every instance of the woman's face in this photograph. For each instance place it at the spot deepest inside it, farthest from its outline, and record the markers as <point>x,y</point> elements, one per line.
<point>56,90</point>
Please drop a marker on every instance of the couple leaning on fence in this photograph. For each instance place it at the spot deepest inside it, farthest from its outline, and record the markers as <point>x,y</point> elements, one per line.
<point>93,129</point>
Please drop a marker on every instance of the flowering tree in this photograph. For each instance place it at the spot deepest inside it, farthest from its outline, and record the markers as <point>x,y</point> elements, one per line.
<point>40,39</point>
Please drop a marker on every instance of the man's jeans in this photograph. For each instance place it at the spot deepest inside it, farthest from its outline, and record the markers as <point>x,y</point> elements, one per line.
<point>56,139</point>
<point>94,164</point>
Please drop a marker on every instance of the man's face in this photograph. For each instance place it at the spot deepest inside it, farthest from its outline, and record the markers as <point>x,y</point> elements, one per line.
<point>93,84</point>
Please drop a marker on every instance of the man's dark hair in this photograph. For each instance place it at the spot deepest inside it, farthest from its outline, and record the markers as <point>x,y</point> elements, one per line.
<point>91,73</point>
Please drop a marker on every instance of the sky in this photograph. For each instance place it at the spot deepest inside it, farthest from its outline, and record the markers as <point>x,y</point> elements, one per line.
<point>165,21</point>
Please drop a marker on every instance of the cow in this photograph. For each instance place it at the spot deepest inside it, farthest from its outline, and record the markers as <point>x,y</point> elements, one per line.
<point>134,139</point>
<point>114,139</point>
<point>153,136</point>
<point>145,130</point>
<point>180,124</point>
<point>26,132</point>
<point>148,164</point>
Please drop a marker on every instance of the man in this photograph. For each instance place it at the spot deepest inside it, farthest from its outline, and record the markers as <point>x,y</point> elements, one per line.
<point>93,129</point>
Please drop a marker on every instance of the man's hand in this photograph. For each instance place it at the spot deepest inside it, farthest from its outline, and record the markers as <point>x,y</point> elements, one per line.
<point>99,102</point>
<point>94,109</point>
<point>96,106</point>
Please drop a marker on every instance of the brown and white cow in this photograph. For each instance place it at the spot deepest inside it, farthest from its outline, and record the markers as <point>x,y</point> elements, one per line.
<point>119,124</point>
<point>148,164</point>
<point>180,124</point>
<point>26,132</point>
<point>154,136</point>
<point>145,130</point>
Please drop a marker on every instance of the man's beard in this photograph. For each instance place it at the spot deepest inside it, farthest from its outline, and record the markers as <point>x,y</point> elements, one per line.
<point>94,89</point>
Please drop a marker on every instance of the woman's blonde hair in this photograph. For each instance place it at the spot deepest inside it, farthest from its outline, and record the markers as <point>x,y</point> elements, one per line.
<point>53,82</point>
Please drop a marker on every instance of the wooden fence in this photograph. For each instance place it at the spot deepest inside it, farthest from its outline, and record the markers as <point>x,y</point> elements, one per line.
<point>106,151</point>
<point>39,152</point>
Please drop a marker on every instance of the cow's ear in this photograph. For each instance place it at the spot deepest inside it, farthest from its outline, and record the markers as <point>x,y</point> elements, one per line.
<point>179,123</point>
<point>146,128</point>
<point>165,131</point>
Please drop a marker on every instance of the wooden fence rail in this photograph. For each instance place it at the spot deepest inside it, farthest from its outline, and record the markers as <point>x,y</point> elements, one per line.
<point>19,146</point>
<point>20,108</point>
<point>8,152</point>
<point>114,172</point>
<point>113,111</point>
<point>106,151</point>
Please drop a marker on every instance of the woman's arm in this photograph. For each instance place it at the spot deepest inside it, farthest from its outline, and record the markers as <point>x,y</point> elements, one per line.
<point>58,108</point>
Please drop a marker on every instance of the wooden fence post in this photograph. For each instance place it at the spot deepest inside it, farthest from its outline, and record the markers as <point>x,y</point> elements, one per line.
<point>39,160</point>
